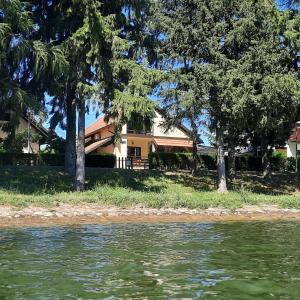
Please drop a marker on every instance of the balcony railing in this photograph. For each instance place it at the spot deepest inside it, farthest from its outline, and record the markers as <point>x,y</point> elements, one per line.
<point>129,131</point>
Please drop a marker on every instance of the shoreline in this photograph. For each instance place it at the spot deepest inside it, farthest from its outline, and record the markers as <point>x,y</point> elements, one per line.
<point>65,214</point>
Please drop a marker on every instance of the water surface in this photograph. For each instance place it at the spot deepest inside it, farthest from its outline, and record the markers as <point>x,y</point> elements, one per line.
<point>242,260</point>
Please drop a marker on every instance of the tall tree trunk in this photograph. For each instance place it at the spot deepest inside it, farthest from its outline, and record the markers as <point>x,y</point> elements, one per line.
<point>231,158</point>
<point>70,150</point>
<point>79,182</point>
<point>195,143</point>
<point>266,163</point>
<point>194,167</point>
<point>222,185</point>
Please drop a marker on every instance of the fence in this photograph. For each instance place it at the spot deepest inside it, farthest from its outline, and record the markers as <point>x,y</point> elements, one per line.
<point>132,163</point>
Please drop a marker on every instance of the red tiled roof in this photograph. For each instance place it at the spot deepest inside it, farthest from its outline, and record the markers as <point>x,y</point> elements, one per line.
<point>96,145</point>
<point>101,123</point>
<point>294,137</point>
<point>173,142</point>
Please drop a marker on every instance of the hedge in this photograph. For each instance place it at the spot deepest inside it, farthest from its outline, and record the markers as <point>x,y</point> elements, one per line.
<point>100,160</point>
<point>96,161</point>
<point>183,161</point>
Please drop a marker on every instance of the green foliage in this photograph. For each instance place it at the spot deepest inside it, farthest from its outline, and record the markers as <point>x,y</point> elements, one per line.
<point>19,141</point>
<point>291,164</point>
<point>54,145</point>
<point>102,42</point>
<point>24,61</point>
<point>279,162</point>
<point>106,160</point>
<point>47,159</point>
<point>180,161</point>
<point>235,59</point>
<point>183,161</point>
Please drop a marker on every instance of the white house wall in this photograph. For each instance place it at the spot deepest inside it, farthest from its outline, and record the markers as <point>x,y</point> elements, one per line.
<point>121,148</point>
<point>158,130</point>
<point>291,149</point>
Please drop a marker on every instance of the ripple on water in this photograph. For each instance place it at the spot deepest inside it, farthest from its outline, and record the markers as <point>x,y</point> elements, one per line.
<point>241,260</point>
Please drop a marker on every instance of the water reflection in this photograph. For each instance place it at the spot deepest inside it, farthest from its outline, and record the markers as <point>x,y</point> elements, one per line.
<point>152,261</point>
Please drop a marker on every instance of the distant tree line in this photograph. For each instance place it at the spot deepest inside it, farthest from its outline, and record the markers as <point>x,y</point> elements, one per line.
<point>231,65</point>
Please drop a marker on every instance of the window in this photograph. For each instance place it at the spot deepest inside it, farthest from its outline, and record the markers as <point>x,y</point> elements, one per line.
<point>130,128</point>
<point>144,129</point>
<point>97,137</point>
<point>134,151</point>
<point>4,117</point>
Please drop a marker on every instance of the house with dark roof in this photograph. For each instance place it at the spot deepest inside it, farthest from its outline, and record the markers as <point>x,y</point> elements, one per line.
<point>294,141</point>
<point>100,138</point>
<point>26,125</point>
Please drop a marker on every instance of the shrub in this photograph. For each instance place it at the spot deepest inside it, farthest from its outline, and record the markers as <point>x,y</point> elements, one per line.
<point>54,160</point>
<point>278,162</point>
<point>291,164</point>
<point>208,161</point>
<point>14,159</point>
<point>254,163</point>
<point>165,160</point>
<point>105,160</point>
<point>96,161</point>
<point>241,163</point>
<point>181,161</point>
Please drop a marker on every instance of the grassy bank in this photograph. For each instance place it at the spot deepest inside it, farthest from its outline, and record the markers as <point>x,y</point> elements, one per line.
<point>47,186</point>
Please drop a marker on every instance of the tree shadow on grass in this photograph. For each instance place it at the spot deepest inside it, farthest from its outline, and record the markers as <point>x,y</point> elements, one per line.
<point>136,180</point>
<point>34,180</point>
<point>203,181</point>
<point>277,184</point>
<point>51,180</point>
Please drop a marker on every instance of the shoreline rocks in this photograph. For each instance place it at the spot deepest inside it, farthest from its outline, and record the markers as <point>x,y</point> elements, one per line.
<point>96,211</point>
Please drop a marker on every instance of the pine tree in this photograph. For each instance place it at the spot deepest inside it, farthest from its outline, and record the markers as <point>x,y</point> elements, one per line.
<point>24,60</point>
<point>191,37</point>
<point>102,42</point>
<point>235,54</point>
<point>269,66</point>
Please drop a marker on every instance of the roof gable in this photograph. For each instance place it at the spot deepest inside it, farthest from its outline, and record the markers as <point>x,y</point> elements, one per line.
<point>99,124</point>
<point>41,129</point>
<point>179,130</point>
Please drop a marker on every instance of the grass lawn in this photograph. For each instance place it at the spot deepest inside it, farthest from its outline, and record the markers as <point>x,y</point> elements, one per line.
<point>48,186</point>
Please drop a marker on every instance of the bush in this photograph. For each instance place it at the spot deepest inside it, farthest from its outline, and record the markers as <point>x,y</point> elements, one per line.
<point>278,162</point>
<point>14,159</point>
<point>54,160</point>
<point>208,161</point>
<point>183,161</point>
<point>96,161</point>
<point>179,161</point>
<point>248,163</point>
<point>106,160</point>
<point>166,160</point>
<point>291,164</point>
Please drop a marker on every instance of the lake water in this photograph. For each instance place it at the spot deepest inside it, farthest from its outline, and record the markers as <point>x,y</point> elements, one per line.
<point>242,260</point>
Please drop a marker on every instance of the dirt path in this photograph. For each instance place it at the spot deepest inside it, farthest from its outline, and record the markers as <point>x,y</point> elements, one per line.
<point>93,214</point>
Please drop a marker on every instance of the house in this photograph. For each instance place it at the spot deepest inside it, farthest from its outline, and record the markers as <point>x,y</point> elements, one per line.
<point>99,138</point>
<point>27,126</point>
<point>293,141</point>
